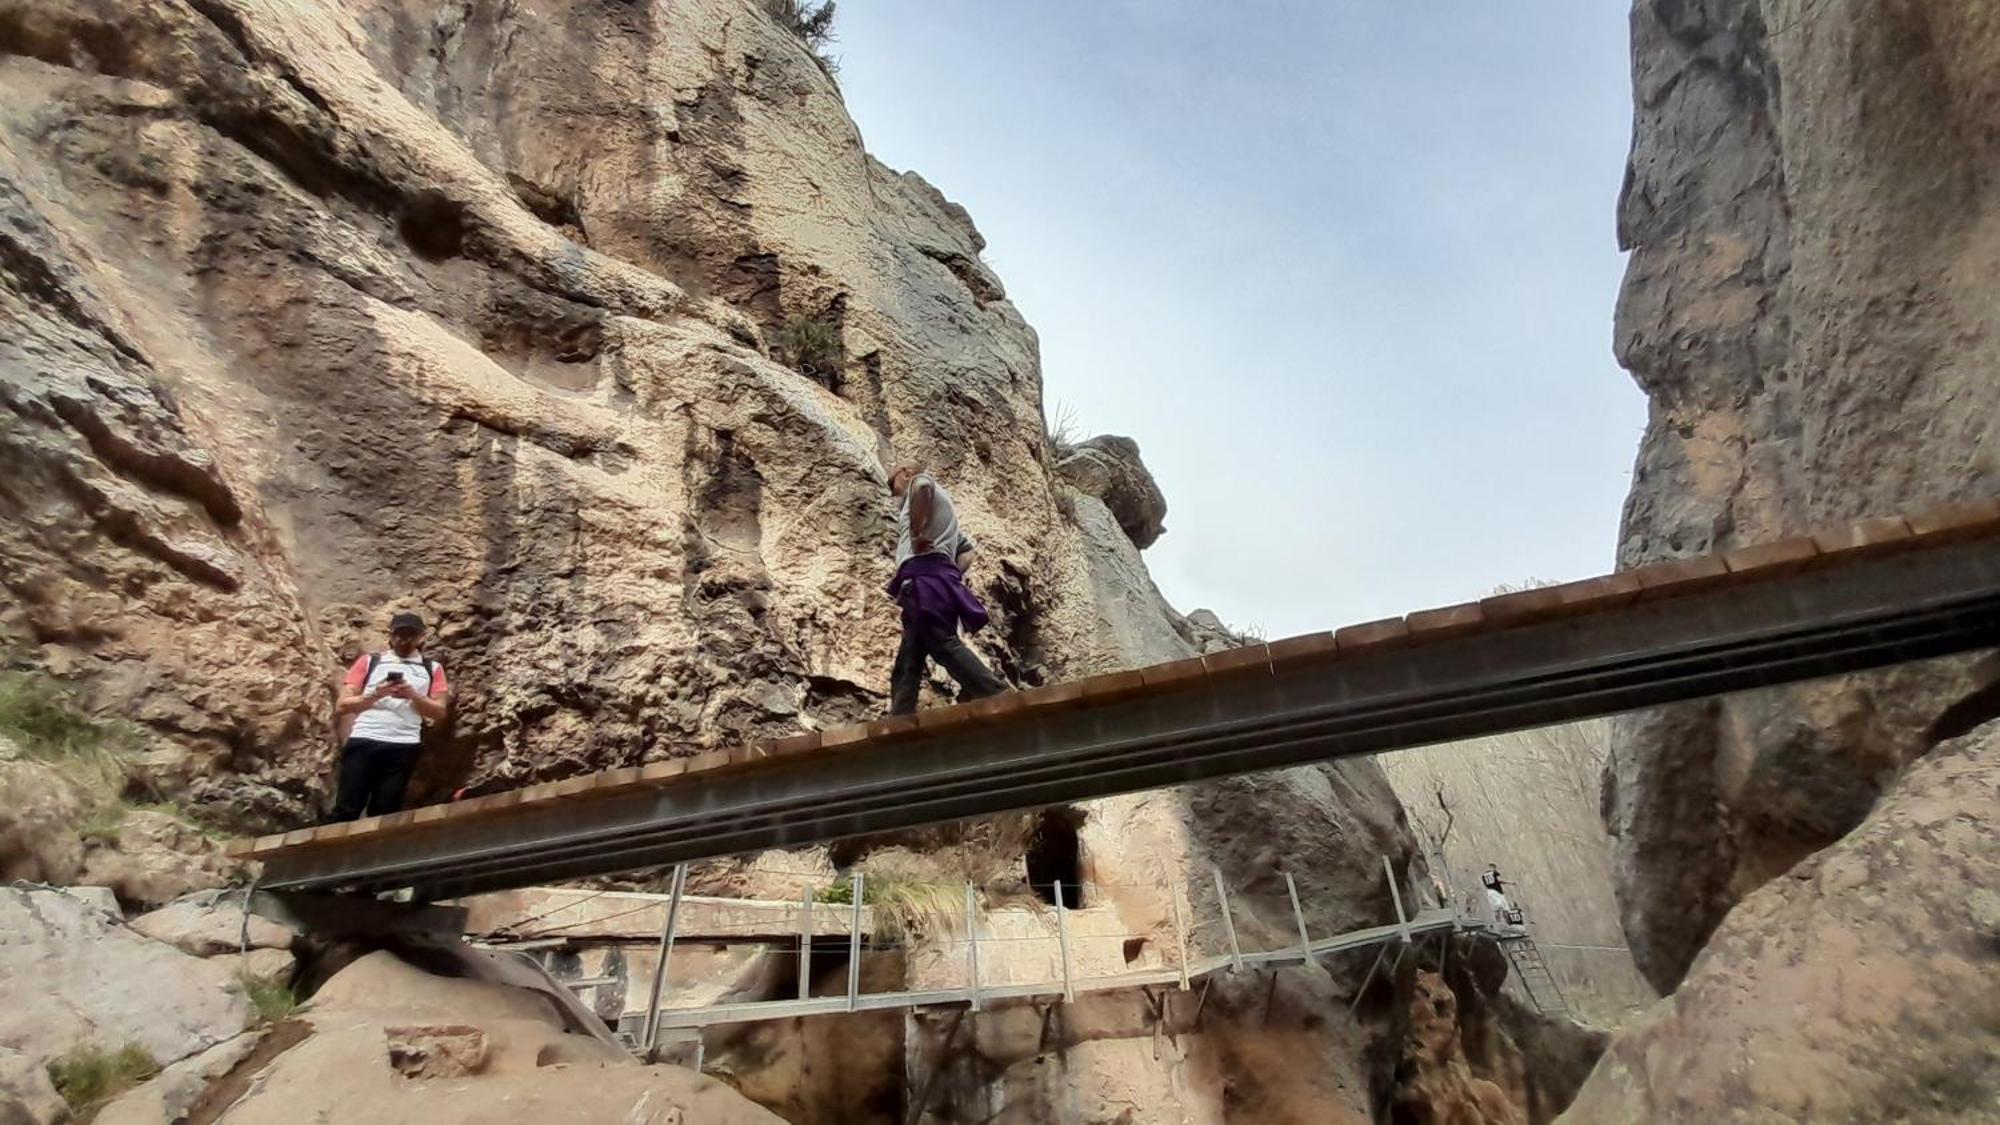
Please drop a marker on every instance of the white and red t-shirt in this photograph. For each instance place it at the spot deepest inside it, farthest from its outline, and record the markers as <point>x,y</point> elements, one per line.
<point>394,720</point>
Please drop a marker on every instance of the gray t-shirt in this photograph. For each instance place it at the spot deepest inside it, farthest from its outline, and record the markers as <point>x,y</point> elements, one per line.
<point>944,535</point>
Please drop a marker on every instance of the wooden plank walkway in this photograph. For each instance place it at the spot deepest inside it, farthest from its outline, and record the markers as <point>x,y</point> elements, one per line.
<point>1874,593</point>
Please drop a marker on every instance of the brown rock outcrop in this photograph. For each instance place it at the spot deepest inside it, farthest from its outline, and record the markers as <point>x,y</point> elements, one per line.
<point>1108,467</point>
<point>73,976</point>
<point>1862,986</point>
<point>1809,213</point>
<point>586,329</point>
<point>385,1041</point>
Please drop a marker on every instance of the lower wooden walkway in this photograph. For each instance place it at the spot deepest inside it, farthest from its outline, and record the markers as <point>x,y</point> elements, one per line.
<point>1876,593</point>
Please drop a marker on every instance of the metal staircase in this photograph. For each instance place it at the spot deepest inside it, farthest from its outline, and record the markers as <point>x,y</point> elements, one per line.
<point>1533,973</point>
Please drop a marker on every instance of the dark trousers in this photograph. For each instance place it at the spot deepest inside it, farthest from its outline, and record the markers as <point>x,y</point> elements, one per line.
<point>373,776</point>
<point>923,641</point>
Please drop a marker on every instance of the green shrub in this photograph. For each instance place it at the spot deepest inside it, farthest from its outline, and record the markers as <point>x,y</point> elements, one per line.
<point>88,1076</point>
<point>901,904</point>
<point>51,725</point>
<point>101,826</point>
<point>271,996</point>
<point>812,344</point>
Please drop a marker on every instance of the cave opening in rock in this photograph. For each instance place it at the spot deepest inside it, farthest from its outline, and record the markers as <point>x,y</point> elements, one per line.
<point>1055,855</point>
<point>1967,715</point>
<point>433,226</point>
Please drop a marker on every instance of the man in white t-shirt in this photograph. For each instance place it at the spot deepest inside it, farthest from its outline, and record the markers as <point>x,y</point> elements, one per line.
<point>391,694</point>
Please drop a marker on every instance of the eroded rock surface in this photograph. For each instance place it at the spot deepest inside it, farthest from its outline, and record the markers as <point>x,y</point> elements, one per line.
<point>1807,307</point>
<point>1862,986</point>
<point>72,975</point>
<point>213,923</point>
<point>1108,467</point>
<point>386,1041</point>
<point>501,312</point>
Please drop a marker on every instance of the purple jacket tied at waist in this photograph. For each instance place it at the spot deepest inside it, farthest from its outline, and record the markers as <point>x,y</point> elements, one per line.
<point>930,589</point>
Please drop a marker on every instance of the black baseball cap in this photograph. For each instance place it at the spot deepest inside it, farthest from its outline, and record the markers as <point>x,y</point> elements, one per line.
<point>403,621</point>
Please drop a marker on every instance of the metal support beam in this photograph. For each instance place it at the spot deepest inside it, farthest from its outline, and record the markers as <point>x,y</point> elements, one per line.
<point>1367,980</point>
<point>1865,612</point>
<point>660,969</point>
<point>1228,924</point>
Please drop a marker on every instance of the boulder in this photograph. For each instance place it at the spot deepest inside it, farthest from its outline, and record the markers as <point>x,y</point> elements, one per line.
<point>158,858</point>
<point>39,813</point>
<point>390,1042</point>
<point>1206,633</point>
<point>103,898</point>
<point>168,1096</point>
<point>27,1097</point>
<point>1108,467</point>
<point>260,964</point>
<point>1864,985</point>
<point>71,976</point>
<point>211,922</point>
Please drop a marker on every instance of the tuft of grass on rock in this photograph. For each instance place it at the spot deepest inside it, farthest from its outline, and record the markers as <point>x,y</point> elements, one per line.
<point>51,725</point>
<point>1064,432</point>
<point>102,825</point>
<point>272,997</point>
<point>903,905</point>
<point>812,345</point>
<point>89,1075</point>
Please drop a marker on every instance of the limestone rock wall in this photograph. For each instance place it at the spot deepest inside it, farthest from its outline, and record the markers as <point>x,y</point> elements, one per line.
<point>1808,305</point>
<point>586,329</point>
<point>484,310</point>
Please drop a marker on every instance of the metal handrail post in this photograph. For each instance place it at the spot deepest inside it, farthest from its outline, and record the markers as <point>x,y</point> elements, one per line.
<point>1062,938</point>
<point>666,953</point>
<point>854,946</point>
<point>805,942</point>
<point>1228,924</point>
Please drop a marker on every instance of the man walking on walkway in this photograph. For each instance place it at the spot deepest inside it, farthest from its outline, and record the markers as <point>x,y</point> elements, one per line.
<point>391,694</point>
<point>930,587</point>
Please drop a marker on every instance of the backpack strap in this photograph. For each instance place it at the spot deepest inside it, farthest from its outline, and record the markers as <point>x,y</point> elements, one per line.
<point>375,658</point>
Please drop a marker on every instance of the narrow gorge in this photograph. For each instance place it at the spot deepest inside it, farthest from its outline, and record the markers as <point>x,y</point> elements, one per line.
<point>590,331</point>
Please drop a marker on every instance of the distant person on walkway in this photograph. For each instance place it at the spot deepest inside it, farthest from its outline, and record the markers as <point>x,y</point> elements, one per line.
<point>391,694</point>
<point>929,585</point>
<point>1504,909</point>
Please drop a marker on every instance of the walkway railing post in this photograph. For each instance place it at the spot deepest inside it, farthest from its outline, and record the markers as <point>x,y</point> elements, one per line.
<point>1180,931</point>
<point>1062,939</point>
<point>1299,916</point>
<point>972,946</point>
<point>805,942</point>
<point>854,946</point>
<point>1396,896</point>
<point>1228,924</point>
<point>652,1034</point>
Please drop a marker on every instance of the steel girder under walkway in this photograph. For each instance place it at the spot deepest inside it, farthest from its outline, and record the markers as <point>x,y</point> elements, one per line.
<point>1874,594</point>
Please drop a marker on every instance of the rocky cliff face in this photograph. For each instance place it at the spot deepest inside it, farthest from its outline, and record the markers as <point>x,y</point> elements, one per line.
<point>1860,987</point>
<point>586,329</point>
<point>1809,307</point>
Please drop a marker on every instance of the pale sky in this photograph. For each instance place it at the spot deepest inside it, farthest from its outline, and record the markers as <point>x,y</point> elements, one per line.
<point>1345,269</point>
